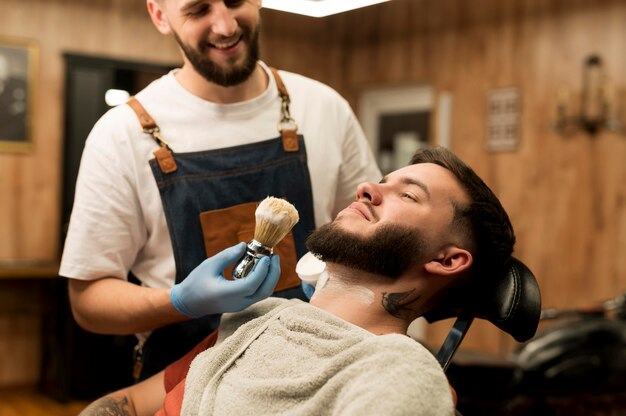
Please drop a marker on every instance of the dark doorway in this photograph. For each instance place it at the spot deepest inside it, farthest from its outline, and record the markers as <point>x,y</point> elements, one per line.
<point>78,364</point>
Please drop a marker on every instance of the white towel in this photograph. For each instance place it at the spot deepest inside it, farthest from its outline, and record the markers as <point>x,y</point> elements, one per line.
<point>290,358</point>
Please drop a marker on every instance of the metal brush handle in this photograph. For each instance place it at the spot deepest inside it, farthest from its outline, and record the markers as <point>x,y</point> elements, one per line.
<point>254,252</point>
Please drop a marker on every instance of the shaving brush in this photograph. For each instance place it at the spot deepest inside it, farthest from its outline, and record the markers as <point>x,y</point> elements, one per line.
<point>275,217</point>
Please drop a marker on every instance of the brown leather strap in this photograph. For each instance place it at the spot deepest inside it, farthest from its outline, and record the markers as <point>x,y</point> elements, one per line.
<point>165,159</point>
<point>146,121</point>
<point>163,155</point>
<point>286,124</point>
<point>279,83</point>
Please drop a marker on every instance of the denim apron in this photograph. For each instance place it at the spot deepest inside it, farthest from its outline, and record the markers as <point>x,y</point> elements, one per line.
<point>209,199</point>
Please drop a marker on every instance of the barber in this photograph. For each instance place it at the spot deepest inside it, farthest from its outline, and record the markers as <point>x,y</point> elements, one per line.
<point>168,184</point>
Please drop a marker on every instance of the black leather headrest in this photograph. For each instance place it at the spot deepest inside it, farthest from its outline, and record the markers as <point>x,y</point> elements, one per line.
<point>513,304</point>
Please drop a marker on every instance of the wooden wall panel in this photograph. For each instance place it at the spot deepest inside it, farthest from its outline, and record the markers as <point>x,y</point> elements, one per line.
<point>21,352</point>
<point>30,184</point>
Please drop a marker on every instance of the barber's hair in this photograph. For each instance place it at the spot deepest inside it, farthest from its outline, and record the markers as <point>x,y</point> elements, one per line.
<point>483,222</point>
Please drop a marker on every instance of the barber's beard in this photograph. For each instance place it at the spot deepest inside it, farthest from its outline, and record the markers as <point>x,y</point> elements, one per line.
<point>212,72</point>
<point>390,251</point>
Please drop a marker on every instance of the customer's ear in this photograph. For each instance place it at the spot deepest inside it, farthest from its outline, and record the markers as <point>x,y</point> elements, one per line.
<point>450,261</point>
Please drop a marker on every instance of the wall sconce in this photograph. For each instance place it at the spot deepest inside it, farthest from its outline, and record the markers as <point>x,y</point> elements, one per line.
<point>596,105</point>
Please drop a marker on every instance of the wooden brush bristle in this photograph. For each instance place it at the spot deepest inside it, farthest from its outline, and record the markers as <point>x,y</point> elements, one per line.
<point>275,217</point>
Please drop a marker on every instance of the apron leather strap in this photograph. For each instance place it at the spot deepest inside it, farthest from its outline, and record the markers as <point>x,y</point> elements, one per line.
<point>286,125</point>
<point>163,154</point>
<point>146,121</point>
<point>279,83</point>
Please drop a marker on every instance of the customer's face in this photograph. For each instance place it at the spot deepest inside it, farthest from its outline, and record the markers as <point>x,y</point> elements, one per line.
<point>420,196</point>
<point>390,251</point>
<point>220,38</point>
<point>393,224</point>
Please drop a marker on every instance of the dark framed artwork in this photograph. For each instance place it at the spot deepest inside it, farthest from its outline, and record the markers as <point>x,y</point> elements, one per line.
<point>18,78</point>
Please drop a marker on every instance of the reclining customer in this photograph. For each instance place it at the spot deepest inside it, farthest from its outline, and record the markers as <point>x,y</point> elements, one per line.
<point>420,237</point>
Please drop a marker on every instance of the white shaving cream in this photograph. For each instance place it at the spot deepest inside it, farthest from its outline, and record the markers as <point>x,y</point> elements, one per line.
<point>313,271</point>
<point>337,286</point>
<point>276,211</point>
<point>265,213</point>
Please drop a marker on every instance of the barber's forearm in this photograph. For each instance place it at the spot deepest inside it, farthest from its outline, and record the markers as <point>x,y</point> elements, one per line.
<point>114,306</point>
<point>115,404</point>
<point>140,399</point>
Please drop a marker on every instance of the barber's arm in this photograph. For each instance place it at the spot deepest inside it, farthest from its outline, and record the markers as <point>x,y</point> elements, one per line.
<point>144,398</point>
<point>115,306</point>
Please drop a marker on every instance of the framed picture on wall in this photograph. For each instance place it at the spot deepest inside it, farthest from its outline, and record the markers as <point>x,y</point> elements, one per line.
<point>18,67</point>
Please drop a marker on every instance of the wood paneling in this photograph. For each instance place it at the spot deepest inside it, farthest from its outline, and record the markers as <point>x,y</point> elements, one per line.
<point>566,195</point>
<point>30,183</point>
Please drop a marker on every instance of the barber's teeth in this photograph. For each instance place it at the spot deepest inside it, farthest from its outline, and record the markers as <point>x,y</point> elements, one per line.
<point>230,45</point>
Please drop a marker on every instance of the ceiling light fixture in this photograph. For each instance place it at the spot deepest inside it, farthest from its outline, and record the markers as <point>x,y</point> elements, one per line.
<point>317,8</point>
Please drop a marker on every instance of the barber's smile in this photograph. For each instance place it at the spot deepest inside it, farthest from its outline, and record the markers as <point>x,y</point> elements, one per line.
<point>227,46</point>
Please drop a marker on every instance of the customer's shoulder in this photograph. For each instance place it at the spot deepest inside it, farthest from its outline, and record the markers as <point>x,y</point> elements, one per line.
<point>397,345</point>
<point>254,311</point>
<point>259,313</point>
<point>265,306</point>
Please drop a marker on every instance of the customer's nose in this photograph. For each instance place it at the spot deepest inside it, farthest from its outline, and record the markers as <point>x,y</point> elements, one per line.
<point>369,192</point>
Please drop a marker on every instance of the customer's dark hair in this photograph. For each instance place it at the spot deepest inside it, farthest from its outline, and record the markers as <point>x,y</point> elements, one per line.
<point>483,222</point>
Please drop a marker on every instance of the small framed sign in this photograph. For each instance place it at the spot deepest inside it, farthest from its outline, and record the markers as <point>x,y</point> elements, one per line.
<point>18,78</point>
<point>503,119</point>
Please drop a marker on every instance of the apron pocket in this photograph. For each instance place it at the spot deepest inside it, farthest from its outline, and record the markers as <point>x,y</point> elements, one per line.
<point>223,228</point>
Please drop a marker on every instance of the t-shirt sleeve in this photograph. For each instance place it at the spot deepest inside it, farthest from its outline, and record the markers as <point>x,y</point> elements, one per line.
<point>106,229</point>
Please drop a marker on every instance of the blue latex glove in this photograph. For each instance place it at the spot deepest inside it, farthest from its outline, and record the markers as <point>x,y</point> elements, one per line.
<point>205,291</point>
<point>308,290</point>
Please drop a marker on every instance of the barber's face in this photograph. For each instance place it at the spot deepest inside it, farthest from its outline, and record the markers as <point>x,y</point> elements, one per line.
<point>393,224</point>
<point>220,38</point>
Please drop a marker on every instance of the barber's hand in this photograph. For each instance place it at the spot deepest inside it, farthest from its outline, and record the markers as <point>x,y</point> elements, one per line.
<point>205,291</point>
<point>308,290</point>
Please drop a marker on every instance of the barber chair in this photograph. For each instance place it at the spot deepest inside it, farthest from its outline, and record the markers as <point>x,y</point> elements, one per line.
<point>513,305</point>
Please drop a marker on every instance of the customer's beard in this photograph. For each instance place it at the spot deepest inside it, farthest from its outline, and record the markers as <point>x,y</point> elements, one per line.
<point>212,72</point>
<point>390,251</point>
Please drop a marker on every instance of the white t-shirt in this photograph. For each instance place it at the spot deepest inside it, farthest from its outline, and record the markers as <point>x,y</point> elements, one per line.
<point>117,223</point>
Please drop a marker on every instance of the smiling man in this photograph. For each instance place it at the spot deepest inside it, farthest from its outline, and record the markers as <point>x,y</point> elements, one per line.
<point>406,245</point>
<point>220,45</point>
<point>193,151</point>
